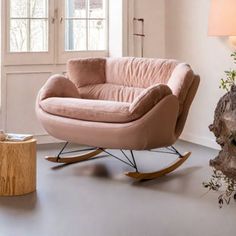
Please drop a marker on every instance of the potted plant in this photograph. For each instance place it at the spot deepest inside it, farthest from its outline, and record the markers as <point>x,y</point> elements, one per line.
<point>224,129</point>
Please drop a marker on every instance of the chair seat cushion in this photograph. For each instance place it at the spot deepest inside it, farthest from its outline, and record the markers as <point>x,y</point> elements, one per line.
<point>111,92</point>
<point>90,110</point>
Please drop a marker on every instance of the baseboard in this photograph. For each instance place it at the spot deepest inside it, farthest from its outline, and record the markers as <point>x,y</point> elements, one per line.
<point>207,142</point>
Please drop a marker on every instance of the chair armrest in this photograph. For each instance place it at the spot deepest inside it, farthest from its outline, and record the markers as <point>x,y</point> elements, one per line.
<point>149,98</point>
<point>58,86</point>
<point>180,82</point>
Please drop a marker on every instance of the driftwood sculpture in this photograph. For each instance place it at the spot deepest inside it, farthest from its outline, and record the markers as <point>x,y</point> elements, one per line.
<point>224,128</point>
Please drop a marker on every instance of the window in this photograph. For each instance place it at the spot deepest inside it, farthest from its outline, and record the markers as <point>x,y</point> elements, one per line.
<point>55,29</point>
<point>85,25</point>
<point>28,25</point>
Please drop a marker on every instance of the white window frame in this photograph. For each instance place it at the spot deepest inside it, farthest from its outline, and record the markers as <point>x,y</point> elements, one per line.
<point>56,53</point>
<point>26,58</point>
<point>30,19</point>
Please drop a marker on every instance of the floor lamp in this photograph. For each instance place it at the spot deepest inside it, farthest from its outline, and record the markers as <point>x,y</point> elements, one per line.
<point>222,19</point>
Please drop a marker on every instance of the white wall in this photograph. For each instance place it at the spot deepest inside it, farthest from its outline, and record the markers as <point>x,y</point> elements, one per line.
<point>120,12</point>
<point>20,89</point>
<point>187,40</point>
<point>153,12</point>
<point>115,33</point>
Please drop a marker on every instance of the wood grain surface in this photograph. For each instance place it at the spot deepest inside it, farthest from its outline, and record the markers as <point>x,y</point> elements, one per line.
<point>17,167</point>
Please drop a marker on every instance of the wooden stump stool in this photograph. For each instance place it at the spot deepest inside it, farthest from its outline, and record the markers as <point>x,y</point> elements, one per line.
<point>17,167</point>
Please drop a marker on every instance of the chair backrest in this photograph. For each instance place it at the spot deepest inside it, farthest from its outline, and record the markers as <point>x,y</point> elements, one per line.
<point>138,72</point>
<point>145,72</point>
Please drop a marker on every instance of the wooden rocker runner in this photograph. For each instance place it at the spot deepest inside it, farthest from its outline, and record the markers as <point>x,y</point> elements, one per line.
<point>74,159</point>
<point>119,103</point>
<point>93,152</point>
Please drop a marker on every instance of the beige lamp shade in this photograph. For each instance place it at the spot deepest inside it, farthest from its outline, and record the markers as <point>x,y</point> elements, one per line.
<point>222,19</point>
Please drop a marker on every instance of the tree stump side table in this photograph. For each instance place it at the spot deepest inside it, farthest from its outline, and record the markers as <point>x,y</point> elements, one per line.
<point>17,167</point>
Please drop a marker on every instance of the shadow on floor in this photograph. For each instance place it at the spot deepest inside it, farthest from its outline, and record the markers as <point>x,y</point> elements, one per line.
<point>25,202</point>
<point>94,170</point>
<point>179,182</point>
<point>60,166</point>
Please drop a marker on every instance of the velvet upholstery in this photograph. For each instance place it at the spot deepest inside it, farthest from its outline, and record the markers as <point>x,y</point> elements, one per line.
<point>180,82</point>
<point>88,71</point>
<point>105,111</point>
<point>111,92</point>
<point>125,103</point>
<point>149,98</point>
<point>85,109</point>
<point>58,86</point>
<point>139,72</point>
<point>150,131</point>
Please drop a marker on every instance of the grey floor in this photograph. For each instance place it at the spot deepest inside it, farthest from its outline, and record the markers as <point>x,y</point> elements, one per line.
<point>94,198</point>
